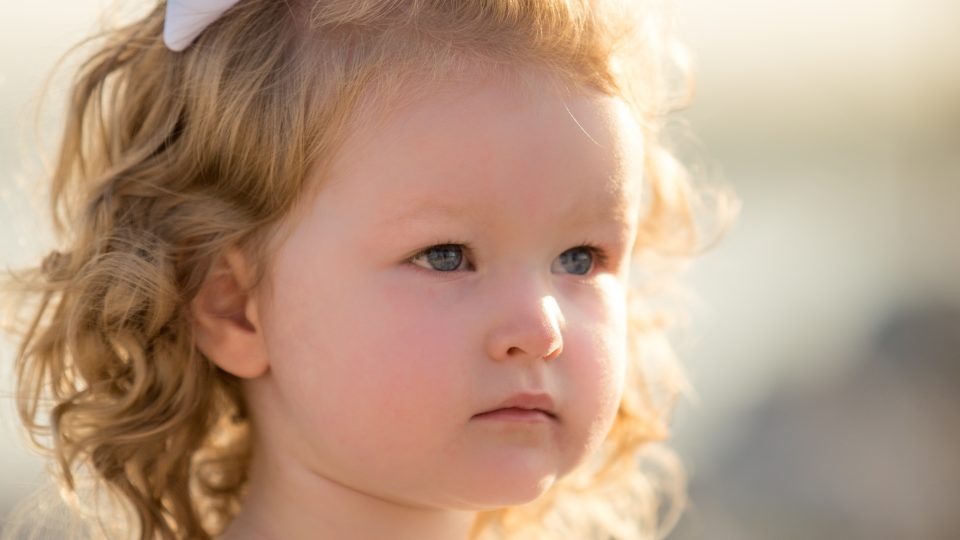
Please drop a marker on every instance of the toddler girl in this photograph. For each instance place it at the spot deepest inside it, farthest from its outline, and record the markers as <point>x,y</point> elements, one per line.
<point>362,269</point>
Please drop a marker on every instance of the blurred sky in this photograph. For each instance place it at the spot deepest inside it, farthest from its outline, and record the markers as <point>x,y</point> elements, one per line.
<point>836,122</point>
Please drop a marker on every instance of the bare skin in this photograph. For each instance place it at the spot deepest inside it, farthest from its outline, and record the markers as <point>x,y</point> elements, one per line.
<point>368,368</point>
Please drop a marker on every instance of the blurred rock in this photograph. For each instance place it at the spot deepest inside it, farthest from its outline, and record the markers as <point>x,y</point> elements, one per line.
<point>873,455</point>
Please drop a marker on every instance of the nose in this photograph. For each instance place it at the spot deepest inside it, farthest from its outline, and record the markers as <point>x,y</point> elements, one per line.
<point>530,327</point>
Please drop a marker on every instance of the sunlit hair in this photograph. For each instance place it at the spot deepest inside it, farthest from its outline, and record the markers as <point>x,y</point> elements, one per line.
<point>169,159</point>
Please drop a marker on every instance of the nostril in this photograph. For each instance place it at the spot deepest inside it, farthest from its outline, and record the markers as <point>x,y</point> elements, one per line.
<point>549,356</point>
<point>553,354</point>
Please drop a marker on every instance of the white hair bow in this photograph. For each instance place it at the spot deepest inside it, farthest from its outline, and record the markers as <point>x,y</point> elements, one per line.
<point>186,19</point>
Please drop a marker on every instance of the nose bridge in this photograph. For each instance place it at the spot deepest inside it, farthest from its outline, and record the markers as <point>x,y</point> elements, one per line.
<point>527,320</point>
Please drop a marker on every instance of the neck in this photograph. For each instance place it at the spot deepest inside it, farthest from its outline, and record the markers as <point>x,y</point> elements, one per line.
<point>288,501</point>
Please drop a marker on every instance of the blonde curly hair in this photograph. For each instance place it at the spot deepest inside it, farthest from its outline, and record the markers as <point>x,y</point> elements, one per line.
<point>170,159</point>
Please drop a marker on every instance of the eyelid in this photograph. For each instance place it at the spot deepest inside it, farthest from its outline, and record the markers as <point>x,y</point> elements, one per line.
<point>600,257</point>
<point>467,249</point>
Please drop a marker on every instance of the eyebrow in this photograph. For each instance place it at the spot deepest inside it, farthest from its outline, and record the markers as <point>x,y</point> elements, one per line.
<point>423,210</point>
<point>426,210</point>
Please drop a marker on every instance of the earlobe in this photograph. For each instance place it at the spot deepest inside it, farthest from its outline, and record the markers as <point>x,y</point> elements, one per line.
<point>226,319</point>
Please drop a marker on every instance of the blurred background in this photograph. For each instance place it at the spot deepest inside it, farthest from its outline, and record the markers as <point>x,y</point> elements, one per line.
<point>825,347</point>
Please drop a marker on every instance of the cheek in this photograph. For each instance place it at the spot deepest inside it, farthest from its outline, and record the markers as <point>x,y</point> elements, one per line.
<point>421,340</point>
<point>393,356</point>
<point>614,330</point>
<point>598,356</point>
<point>415,355</point>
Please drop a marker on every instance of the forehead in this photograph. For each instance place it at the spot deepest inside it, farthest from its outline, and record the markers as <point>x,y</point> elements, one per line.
<point>490,148</point>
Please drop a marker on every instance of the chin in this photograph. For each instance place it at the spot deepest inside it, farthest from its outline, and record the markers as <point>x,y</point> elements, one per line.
<point>507,485</point>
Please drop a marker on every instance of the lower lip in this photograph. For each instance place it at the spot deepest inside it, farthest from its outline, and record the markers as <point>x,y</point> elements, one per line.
<point>515,415</point>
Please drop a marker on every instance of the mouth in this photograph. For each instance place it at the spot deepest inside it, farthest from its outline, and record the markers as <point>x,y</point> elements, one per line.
<point>523,406</point>
<point>517,414</point>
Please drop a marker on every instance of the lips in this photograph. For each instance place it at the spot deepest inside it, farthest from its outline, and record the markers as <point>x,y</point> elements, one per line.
<point>530,401</point>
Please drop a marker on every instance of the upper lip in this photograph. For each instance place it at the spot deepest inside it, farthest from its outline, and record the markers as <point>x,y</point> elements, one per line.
<point>528,400</point>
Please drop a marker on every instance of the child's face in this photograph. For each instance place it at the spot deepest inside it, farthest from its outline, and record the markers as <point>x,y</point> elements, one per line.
<point>381,359</point>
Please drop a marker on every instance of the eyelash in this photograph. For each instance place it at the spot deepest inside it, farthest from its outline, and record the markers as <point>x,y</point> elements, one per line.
<point>599,255</point>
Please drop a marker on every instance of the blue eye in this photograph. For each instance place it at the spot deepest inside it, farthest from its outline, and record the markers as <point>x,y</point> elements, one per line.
<point>578,260</point>
<point>442,258</point>
<point>449,257</point>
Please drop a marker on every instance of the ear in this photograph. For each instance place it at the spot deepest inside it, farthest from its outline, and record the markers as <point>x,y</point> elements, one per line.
<point>226,320</point>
